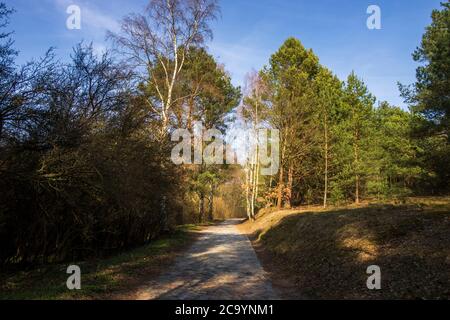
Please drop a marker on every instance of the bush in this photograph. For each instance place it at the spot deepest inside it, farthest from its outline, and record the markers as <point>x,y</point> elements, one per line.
<point>82,176</point>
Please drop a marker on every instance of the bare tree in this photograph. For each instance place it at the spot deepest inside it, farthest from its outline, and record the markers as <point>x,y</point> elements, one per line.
<point>161,38</point>
<point>253,112</point>
<point>19,86</point>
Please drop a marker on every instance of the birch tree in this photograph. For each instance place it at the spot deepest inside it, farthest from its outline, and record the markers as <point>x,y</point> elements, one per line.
<point>160,38</point>
<point>254,112</point>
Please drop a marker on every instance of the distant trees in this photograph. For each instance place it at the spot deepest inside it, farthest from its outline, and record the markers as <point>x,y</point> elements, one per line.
<point>395,164</point>
<point>336,145</point>
<point>208,97</point>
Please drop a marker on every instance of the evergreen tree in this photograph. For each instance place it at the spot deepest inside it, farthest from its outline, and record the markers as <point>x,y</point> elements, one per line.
<point>395,167</point>
<point>429,96</point>
<point>289,79</point>
<point>329,100</point>
<point>358,102</point>
<point>430,102</point>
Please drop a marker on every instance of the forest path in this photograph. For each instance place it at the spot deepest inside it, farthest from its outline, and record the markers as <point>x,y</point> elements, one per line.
<point>220,265</point>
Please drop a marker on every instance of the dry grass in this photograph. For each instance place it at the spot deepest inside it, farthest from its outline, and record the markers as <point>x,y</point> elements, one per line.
<point>324,254</point>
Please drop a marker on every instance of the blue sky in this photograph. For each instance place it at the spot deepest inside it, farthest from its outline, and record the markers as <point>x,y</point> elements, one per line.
<point>249,31</point>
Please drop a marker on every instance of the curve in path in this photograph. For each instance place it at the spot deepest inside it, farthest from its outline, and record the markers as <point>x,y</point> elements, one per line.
<point>221,265</point>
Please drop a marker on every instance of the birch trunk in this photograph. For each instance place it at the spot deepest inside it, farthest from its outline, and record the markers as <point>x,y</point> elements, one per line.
<point>252,202</point>
<point>256,182</point>
<point>247,191</point>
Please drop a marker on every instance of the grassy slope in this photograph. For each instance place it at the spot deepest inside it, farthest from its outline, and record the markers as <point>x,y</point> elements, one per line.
<point>115,277</point>
<point>314,253</point>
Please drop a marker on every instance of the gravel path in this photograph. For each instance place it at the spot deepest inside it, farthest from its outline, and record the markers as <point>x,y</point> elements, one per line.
<point>221,265</point>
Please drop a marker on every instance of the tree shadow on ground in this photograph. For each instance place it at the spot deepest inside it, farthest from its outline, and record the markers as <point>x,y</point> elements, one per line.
<point>221,265</point>
<point>325,255</point>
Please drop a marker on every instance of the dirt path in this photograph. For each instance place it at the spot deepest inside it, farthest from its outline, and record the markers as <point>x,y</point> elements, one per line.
<point>220,265</point>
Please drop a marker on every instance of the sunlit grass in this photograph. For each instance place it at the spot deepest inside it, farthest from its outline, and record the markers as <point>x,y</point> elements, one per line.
<point>324,254</point>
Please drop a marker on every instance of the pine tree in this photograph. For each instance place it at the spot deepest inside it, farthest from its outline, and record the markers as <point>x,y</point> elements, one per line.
<point>329,99</point>
<point>289,79</point>
<point>359,103</point>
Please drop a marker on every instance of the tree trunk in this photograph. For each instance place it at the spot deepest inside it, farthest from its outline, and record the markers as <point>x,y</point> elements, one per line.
<point>256,162</point>
<point>289,188</point>
<point>255,195</point>
<point>280,189</point>
<point>211,206</point>
<point>357,190</point>
<point>252,179</point>
<point>254,183</point>
<point>201,207</point>
<point>325,192</point>
<point>247,192</point>
<point>164,214</point>
<point>171,84</point>
<point>190,112</point>
<point>357,177</point>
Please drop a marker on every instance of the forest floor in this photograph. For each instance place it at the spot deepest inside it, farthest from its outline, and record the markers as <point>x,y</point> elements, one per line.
<point>112,278</point>
<point>207,262</point>
<point>307,252</point>
<point>324,253</point>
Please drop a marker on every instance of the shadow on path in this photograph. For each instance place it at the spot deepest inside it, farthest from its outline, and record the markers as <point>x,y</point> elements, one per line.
<point>221,265</point>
